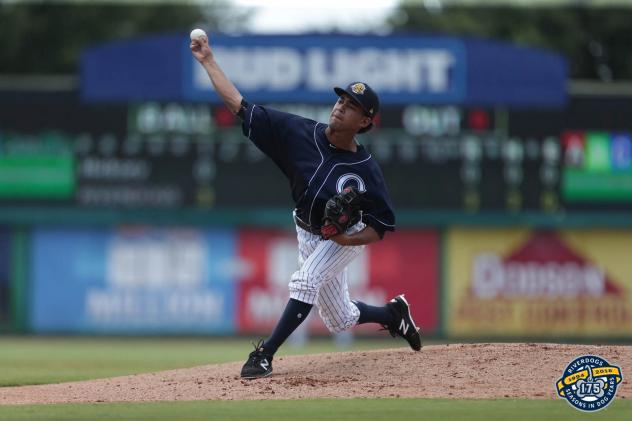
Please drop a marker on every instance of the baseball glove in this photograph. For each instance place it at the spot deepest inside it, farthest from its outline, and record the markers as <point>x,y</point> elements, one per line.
<point>341,212</point>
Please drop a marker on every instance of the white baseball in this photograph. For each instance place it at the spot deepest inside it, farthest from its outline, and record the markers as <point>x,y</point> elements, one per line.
<point>198,33</point>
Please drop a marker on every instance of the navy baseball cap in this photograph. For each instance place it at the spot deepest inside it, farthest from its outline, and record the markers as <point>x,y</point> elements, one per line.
<point>363,95</point>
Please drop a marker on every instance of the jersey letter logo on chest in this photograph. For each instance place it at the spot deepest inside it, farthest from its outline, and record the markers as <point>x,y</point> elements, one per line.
<point>343,179</point>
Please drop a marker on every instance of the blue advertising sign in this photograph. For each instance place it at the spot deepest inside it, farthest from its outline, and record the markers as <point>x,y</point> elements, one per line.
<point>303,68</point>
<point>133,280</point>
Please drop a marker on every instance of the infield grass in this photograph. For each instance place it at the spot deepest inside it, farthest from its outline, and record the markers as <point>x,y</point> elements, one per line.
<point>324,409</point>
<point>42,360</point>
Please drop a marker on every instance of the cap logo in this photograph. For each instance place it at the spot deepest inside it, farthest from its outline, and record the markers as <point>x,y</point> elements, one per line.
<point>358,88</point>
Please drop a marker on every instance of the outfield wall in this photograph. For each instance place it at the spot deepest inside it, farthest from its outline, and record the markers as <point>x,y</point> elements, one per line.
<point>463,282</point>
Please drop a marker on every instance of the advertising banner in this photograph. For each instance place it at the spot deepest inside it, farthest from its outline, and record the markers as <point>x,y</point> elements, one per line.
<point>404,262</point>
<point>306,68</point>
<point>132,280</point>
<point>516,283</point>
<point>404,69</point>
<point>4,275</point>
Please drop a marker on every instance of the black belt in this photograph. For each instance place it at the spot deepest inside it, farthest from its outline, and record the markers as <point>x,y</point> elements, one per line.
<point>299,222</point>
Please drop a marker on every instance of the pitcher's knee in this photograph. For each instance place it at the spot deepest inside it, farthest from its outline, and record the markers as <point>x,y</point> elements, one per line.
<point>305,286</point>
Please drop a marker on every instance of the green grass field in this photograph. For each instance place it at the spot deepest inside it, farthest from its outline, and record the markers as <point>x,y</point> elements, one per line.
<point>322,409</point>
<point>36,360</point>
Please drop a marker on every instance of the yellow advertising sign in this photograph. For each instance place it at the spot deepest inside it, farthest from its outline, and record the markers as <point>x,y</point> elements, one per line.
<point>518,282</point>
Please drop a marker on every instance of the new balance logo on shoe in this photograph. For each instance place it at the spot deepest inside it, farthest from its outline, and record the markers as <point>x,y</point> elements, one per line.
<point>403,326</point>
<point>264,364</point>
<point>406,327</point>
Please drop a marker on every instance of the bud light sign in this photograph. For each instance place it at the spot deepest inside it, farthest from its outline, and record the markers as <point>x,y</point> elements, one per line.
<point>410,69</point>
<point>306,68</point>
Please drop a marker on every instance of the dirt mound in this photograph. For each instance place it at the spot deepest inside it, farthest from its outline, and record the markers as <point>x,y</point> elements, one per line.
<point>441,371</point>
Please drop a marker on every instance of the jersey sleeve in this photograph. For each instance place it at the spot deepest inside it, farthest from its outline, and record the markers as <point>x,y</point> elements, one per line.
<point>378,212</point>
<point>269,130</point>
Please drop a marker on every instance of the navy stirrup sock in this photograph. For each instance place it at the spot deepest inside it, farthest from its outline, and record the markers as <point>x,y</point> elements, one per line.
<point>373,314</point>
<point>293,315</point>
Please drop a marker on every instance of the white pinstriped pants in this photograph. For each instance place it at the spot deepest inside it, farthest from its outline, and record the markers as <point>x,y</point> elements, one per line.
<point>322,278</point>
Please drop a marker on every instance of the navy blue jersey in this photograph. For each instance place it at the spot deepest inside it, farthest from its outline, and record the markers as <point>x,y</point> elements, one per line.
<point>316,169</point>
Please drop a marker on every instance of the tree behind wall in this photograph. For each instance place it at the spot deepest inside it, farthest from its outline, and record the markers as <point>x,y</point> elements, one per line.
<point>48,38</point>
<point>596,41</point>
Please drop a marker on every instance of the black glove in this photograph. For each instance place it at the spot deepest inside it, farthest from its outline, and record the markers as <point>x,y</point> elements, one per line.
<point>341,212</point>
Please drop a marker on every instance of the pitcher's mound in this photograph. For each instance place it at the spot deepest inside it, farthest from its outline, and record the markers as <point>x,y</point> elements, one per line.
<point>527,371</point>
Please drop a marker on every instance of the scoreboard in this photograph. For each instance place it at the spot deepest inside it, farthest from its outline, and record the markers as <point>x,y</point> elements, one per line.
<point>194,156</point>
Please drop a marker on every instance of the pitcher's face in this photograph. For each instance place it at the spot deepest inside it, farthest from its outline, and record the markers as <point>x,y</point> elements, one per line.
<point>348,115</point>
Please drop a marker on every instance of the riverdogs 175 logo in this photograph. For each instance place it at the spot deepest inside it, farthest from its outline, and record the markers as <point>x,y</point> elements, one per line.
<point>589,383</point>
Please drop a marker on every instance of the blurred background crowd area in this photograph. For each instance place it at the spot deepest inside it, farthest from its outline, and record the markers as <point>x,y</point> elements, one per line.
<point>131,203</point>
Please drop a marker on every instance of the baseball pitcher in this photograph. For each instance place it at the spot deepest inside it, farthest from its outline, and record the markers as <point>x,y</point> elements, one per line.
<point>342,204</point>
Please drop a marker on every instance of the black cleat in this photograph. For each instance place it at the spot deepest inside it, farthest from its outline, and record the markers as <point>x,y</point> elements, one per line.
<point>258,365</point>
<point>403,324</point>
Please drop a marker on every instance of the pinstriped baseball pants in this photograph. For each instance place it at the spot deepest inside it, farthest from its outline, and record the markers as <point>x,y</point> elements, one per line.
<point>322,278</point>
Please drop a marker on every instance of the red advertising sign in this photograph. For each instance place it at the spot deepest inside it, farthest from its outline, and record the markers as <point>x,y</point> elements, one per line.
<point>404,262</point>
